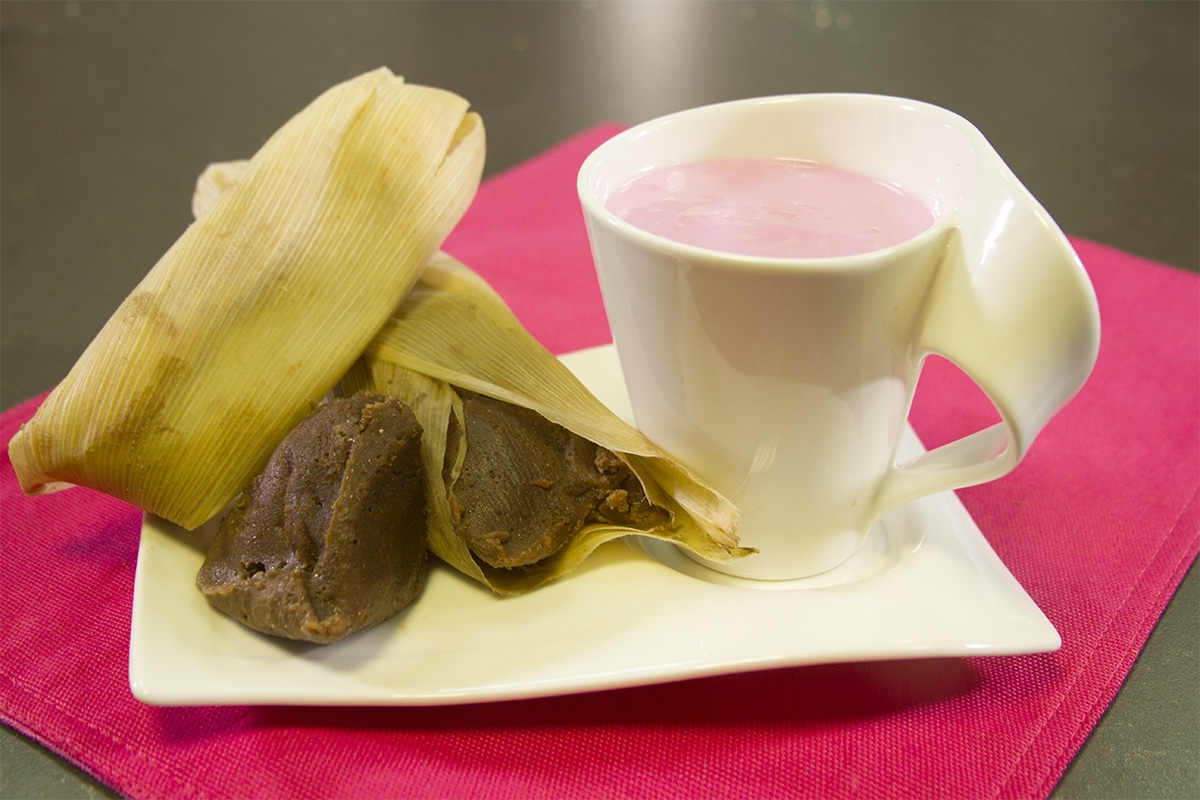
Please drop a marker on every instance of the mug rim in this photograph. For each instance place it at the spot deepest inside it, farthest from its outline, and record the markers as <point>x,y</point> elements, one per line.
<point>597,212</point>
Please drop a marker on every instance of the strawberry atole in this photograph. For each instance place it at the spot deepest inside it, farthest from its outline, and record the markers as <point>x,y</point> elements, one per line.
<point>771,207</point>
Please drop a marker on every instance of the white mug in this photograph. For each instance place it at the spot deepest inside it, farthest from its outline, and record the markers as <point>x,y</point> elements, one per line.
<point>786,383</point>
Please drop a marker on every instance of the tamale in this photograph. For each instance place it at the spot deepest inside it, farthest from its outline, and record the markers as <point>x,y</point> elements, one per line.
<point>525,486</point>
<point>330,538</point>
<point>258,309</point>
<point>454,335</point>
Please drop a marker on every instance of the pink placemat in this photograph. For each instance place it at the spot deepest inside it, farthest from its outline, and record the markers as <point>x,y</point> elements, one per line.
<point>1099,523</point>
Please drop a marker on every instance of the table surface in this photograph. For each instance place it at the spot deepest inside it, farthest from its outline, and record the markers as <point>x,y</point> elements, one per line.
<point>110,109</point>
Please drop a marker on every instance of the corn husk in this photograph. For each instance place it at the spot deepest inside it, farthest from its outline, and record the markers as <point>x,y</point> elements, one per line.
<point>261,306</point>
<point>454,332</point>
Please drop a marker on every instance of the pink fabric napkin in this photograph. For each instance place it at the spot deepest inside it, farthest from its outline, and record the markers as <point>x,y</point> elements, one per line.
<point>1099,524</point>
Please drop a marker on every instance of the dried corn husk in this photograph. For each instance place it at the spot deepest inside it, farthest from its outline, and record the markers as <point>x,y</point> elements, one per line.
<point>453,330</point>
<point>213,182</point>
<point>263,304</point>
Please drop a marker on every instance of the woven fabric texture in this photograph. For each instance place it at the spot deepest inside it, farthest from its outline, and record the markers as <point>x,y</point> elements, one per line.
<point>1099,524</point>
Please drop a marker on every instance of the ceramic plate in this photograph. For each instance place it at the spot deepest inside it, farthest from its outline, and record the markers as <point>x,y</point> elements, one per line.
<point>925,584</point>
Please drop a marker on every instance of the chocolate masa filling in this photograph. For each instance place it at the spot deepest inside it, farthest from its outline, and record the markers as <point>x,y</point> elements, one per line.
<point>331,537</point>
<point>527,485</point>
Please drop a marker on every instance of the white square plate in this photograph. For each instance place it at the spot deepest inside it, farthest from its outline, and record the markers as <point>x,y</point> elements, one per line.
<point>925,584</point>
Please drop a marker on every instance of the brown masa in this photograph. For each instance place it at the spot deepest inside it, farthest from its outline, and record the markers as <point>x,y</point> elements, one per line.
<point>331,537</point>
<point>527,485</point>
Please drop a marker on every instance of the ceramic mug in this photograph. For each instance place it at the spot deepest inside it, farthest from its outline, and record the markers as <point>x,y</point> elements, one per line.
<point>786,383</point>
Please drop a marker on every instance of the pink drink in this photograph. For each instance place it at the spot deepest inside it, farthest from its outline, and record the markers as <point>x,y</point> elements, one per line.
<point>770,207</point>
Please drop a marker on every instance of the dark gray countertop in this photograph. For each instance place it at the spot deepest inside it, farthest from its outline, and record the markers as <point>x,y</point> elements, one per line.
<point>108,111</point>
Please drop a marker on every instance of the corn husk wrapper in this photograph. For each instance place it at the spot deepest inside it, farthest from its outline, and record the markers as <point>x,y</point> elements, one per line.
<point>453,331</point>
<point>261,306</point>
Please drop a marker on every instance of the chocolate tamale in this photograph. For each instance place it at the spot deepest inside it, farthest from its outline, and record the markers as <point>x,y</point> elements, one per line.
<point>526,486</point>
<point>330,538</point>
<point>452,340</point>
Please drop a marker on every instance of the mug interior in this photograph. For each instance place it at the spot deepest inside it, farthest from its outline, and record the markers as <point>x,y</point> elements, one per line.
<point>922,149</point>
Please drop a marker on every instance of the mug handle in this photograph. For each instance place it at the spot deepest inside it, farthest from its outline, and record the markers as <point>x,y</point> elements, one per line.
<point>1012,307</point>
